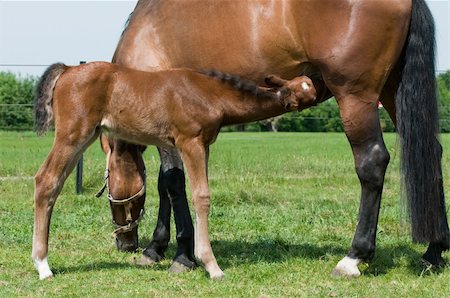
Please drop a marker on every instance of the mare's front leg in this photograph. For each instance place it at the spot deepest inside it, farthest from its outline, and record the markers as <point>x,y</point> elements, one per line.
<point>172,194</point>
<point>362,127</point>
<point>195,157</point>
<point>49,182</point>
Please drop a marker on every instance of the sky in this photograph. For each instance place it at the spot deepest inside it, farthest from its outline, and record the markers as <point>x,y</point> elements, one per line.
<point>34,34</point>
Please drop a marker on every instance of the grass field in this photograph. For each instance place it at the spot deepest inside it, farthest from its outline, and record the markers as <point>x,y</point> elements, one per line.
<point>284,210</point>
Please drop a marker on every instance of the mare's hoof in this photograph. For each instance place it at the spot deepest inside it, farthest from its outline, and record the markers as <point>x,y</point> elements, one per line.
<point>182,264</point>
<point>433,257</point>
<point>339,272</point>
<point>434,264</point>
<point>347,267</point>
<point>179,268</point>
<point>144,261</point>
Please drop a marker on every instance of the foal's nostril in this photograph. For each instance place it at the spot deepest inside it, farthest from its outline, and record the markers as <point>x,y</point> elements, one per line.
<point>288,106</point>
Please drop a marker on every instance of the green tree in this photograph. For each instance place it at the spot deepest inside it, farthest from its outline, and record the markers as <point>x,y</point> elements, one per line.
<point>16,101</point>
<point>322,118</point>
<point>443,85</point>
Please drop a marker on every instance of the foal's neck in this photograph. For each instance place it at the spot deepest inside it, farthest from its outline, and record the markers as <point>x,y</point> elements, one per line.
<point>248,108</point>
<point>245,101</point>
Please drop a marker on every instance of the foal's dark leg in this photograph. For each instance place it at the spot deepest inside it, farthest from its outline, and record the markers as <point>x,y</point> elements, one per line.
<point>363,131</point>
<point>171,187</point>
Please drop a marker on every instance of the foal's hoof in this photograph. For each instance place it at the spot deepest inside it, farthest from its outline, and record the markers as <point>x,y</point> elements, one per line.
<point>43,268</point>
<point>217,275</point>
<point>214,271</point>
<point>46,276</point>
<point>144,261</point>
<point>347,267</point>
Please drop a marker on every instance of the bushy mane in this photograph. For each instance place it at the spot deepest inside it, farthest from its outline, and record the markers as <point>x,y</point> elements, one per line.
<point>246,86</point>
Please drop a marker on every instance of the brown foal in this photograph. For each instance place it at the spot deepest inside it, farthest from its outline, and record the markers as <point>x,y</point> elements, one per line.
<point>178,108</point>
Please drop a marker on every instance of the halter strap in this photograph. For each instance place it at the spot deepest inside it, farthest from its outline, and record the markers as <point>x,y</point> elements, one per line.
<point>127,228</point>
<point>126,203</point>
<point>140,193</point>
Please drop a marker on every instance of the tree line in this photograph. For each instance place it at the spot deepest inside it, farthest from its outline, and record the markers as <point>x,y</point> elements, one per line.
<point>17,95</point>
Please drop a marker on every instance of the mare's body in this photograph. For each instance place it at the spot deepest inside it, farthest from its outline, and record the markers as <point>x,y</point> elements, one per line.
<point>365,50</point>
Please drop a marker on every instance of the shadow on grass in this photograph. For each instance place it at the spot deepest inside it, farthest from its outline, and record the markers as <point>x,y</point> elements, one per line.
<point>390,257</point>
<point>88,267</point>
<point>273,250</point>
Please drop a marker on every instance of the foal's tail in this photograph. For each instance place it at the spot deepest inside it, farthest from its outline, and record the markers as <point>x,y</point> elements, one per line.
<point>43,112</point>
<point>418,126</point>
<point>247,86</point>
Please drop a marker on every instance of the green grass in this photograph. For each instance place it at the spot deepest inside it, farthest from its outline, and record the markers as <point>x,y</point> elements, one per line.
<point>284,210</point>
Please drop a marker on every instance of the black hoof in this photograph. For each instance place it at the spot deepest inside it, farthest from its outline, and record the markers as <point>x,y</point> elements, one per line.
<point>144,261</point>
<point>178,268</point>
<point>153,255</point>
<point>433,256</point>
<point>182,264</point>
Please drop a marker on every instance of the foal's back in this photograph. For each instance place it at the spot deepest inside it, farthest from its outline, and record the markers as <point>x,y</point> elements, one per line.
<point>141,107</point>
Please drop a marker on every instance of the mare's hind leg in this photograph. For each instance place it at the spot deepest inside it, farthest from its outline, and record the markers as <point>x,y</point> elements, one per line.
<point>433,255</point>
<point>362,127</point>
<point>49,181</point>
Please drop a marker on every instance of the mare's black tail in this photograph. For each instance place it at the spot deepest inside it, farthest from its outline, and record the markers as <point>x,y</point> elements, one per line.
<point>418,126</point>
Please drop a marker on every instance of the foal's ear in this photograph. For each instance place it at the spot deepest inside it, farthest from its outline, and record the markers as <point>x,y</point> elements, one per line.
<point>104,143</point>
<point>274,81</point>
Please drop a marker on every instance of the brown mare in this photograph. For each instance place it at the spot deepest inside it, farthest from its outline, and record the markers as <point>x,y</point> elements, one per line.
<point>366,50</point>
<point>180,109</point>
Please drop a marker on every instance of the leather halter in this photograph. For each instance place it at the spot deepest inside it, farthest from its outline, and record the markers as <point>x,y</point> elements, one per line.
<point>126,203</point>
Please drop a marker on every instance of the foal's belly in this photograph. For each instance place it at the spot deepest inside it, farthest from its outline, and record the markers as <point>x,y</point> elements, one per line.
<point>137,133</point>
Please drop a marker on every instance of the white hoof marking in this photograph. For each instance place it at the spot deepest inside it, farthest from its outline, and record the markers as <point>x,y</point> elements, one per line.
<point>43,268</point>
<point>216,274</point>
<point>347,267</point>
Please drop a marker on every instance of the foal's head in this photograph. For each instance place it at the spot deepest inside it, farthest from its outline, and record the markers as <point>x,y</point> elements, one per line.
<point>126,189</point>
<point>295,94</point>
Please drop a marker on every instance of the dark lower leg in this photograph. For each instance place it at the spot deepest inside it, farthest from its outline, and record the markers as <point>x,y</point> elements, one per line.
<point>161,234</point>
<point>173,183</point>
<point>171,187</point>
<point>370,166</point>
<point>362,127</point>
<point>184,227</point>
<point>433,255</point>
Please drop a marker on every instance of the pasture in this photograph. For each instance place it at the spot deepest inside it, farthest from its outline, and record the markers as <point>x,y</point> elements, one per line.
<point>284,210</point>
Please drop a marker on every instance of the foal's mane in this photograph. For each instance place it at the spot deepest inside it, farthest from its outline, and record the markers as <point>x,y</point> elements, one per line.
<point>247,86</point>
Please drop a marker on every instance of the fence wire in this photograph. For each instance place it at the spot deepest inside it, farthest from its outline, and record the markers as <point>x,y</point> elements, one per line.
<point>27,111</point>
